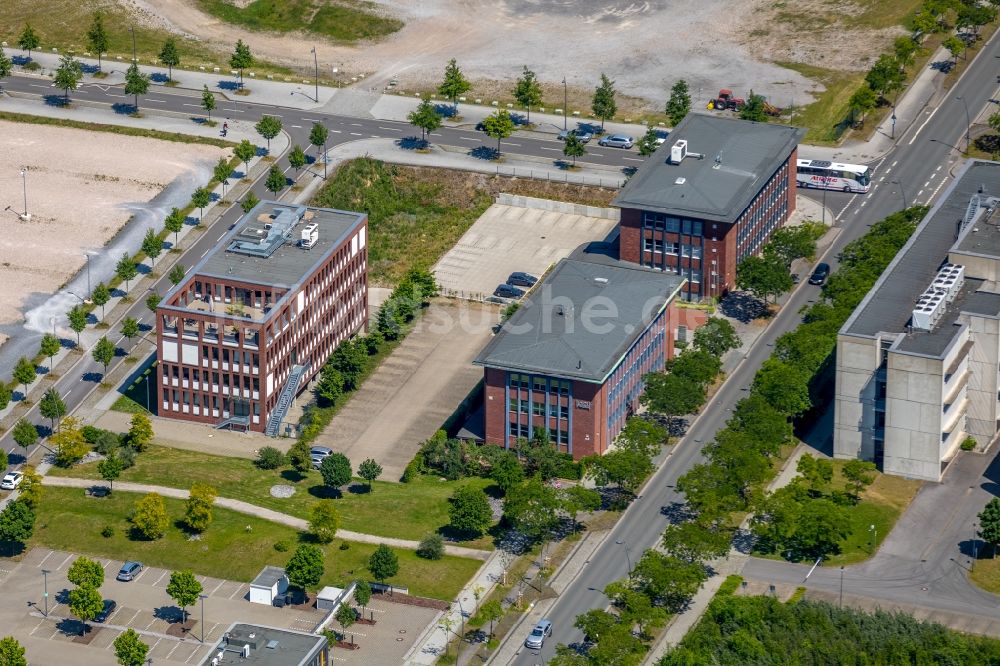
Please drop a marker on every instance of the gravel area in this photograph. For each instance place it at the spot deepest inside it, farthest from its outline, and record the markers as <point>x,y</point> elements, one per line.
<point>282,491</point>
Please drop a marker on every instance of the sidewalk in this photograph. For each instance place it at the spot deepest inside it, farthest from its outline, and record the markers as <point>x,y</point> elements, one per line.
<point>261,512</point>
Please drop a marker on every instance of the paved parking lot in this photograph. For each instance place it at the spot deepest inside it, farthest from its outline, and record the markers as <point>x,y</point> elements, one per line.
<point>144,606</point>
<point>508,238</point>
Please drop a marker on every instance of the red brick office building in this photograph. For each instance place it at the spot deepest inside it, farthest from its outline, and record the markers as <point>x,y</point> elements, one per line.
<point>255,320</point>
<point>572,359</point>
<point>708,197</point>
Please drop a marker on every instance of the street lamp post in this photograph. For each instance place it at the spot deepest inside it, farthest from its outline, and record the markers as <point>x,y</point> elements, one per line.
<point>628,557</point>
<point>874,532</point>
<point>316,63</point>
<point>839,605</point>
<point>565,103</point>
<point>968,122</point>
<point>87,257</point>
<point>45,578</point>
<point>24,186</point>
<point>902,192</point>
<point>975,543</point>
<point>893,135</point>
<point>203,597</point>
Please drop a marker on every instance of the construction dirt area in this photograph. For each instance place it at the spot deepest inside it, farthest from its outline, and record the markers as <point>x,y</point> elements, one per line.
<point>81,189</point>
<point>645,46</point>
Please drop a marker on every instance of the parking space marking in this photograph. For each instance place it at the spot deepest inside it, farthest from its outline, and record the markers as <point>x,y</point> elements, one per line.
<point>238,590</point>
<point>141,574</point>
<point>159,579</point>
<point>221,583</point>
<point>68,558</point>
<point>45,558</point>
<point>132,619</point>
<point>172,649</point>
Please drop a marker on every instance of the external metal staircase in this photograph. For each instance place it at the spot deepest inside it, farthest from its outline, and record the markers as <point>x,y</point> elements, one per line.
<point>285,399</point>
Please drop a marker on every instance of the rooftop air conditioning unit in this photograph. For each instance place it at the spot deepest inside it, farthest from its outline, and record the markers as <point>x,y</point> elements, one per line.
<point>678,151</point>
<point>310,234</point>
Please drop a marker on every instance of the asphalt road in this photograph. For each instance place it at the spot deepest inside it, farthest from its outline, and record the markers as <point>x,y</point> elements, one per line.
<point>915,170</point>
<point>298,122</point>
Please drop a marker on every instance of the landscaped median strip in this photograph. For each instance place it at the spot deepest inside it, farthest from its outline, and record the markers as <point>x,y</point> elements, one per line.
<point>261,512</point>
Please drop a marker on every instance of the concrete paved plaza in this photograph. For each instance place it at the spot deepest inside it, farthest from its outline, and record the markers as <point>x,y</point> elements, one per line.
<point>414,390</point>
<point>144,606</point>
<point>525,237</point>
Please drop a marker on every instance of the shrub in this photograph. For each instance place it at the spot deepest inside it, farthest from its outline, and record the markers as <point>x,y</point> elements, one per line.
<point>269,458</point>
<point>431,548</point>
<point>127,455</point>
<point>412,470</point>
<point>90,433</point>
<point>281,546</point>
<point>106,442</point>
<point>344,545</point>
<point>108,532</point>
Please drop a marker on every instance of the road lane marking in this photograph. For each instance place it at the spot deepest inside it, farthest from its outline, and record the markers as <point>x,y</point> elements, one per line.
<point>390,129</point>
<point>336,131</point>
<point>557,150</point>
<point>276,115</point>
<point>915,134</point>
<point>514,144</point>
<point>894,162</point>
<point>630,159</point>
<point>297,126</point>
<point>356,134</point>
<point>312,120</point>
<point>194,105</point>
<point>355,124</point>
<point>469,138</point>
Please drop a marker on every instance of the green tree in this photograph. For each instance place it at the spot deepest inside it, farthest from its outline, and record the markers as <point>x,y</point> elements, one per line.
<point>245,151</point>
<point>6,64</point>
<point>249,202</point>
<point>498,126</point>
<point>153,301</point>
<point>426,117</point>
<point>784,387</point>
<point>642,435</point>
<point>697,365</point>
<point>335,470</point>
<point>577,498</point>
<point>634,607</point>
<point>671,395</point>
<point>140,432</point>
<point>350,359</point>
<point>528,91</point>
<point>763,276</point>
<point>136,83</point>
<point>603,103</point>
<point>97,37</point>
<point>126,270</point>
<point>362,594</point>
<point>11,652</point>
<point>507,471</point>
<point>185,589</point>
<point>299,457</point>
<point>129,649</point>
<point>862,102</point>
<point>50,346</point>
<point>241,59</point>
<point>17,521</point>
<point>152,245</point>
<point>275,180</point>
<point>176,274</point>
<point>101,296</point>
<point>717,336</point>
<point>28,39</point>
<point>431,547</point>
<point>305,567</point>
<point>885,76</point>
<point>330,386</point>
<point>679,104</point>
<point>668,580</point>
<point>816,472</point>
<point>383,563</point>
<point>324,519</point>
<point>648,143</point>
<point>532,508</point>
<point>469,511</point>
<point>791,243</point>
<point>149,516</point>
<point>297,158</point>
<point>954,46</point>
<point>85,572</point>
<point>30,491</point>
<point>369,470</point>
<point>130,327</point>
<point>85,603</point>
<point>52,407</point>
<point>624,468</point>
<point>317,137</point>
<point>25,434</point>
<point>595,622</point>
<point>268,127</point>
<point>346,616</point>
<point>573,147</point>
<point>754,108</point>
<point>111,468</point>
<point>208,103</point>
<point>491,611</point>
<point>170,57</point>
<point>454,84</point>
<point>77,318</point>
<point>905,48</point>
<point>199,199</point>
<point>198,507</point>
<point>174,223</point>
<point>68,443</point>
<point>989,524</point>
<point>104,352</point>
<point>24,374</point>
<point>859,474</point>
<point>694,542</point>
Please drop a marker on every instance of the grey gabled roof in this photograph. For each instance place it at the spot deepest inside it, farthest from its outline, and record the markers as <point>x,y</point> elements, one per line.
<point>581,320</point>
<point>748,154</point>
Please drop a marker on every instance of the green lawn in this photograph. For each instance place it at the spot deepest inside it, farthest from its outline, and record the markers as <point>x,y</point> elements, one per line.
<point>826,118</point>
<point>69,521</point>
<point>401,510</point>
<point>342,20</point>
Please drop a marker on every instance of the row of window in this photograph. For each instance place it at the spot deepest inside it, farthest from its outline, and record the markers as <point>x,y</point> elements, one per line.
<point>671,224</point>
<point>203,400</point>
<point>659,246</point>
<point>523,431</point>
<point>539,384</point>
<point>538,408</point>
<point>225,379</point>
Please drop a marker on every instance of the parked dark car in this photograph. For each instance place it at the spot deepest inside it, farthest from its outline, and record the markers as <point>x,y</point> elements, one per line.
<point>820,274</point>
<point>129,571</point>
<point>109,608</point>
<point>521,279</point>
<point>508,291</point>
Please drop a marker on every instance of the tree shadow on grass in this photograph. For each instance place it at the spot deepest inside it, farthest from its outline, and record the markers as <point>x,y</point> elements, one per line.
<point>359,489</point>
<point>449,533</point>
<point>323,491</point>
<point>292,475</point>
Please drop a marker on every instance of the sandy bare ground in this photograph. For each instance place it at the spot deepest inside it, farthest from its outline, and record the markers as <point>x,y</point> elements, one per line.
<point>645,45</point>
<point>77,184</point>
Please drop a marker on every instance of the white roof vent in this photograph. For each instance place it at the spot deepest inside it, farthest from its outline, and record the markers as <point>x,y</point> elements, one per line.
<point>601,280</point>
<point>680,180</point>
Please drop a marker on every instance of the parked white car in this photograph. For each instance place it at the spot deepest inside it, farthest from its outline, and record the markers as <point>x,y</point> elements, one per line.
<point>11,480</point>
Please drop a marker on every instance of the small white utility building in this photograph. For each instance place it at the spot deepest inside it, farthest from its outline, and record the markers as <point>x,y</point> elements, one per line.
<point>270,584</point>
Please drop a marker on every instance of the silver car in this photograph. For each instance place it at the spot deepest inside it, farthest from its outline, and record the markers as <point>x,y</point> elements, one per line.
<point>537,637</point>
<point>583,135</point>
<point>617,141</point>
